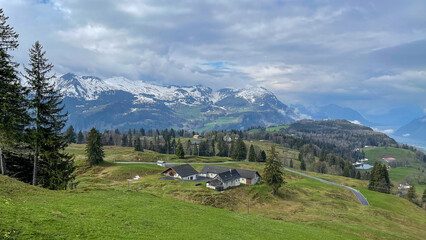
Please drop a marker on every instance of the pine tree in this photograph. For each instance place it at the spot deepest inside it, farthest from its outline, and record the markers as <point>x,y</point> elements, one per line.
<point>138,145</point>
<point>263,155</point>
<point>13,105</point>
<point>358,175</point>
<point>240,150</point>
<point>252,154</point>
<point>291,163</point>
<point>411,195</point>
<point>179,151</point>
<point>94,148</point>
<point>424,199</point>
<point>273,173</point>
<point>379,179</point>
<point>124,142</point>
<point>52,166</point>
<point>302,165</point>
<point>71,135</point>
<point>80,137</point>
<point>213,148</point>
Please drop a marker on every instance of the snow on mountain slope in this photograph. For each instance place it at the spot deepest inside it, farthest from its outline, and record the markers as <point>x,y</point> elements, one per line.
<point>90,88</point>
<point>86,87</point>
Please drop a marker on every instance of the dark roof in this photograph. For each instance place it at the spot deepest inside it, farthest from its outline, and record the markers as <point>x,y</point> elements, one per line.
<point>227,176</point>
<point>244,173</point>
<point>213,169</point>
<point>184,170</point>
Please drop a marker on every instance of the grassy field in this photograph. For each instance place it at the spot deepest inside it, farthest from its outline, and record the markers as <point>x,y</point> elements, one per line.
<point>106,205</point>
<point>277,128</point>
<point>127,154</point>
<point>398,175</point>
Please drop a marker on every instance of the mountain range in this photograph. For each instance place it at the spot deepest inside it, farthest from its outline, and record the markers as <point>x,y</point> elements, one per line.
<point>122,103</point>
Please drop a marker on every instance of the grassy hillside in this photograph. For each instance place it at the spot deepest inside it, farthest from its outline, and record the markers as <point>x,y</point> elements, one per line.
<point>400,174</point>
<point>32,213</point>
<point>105,205</point>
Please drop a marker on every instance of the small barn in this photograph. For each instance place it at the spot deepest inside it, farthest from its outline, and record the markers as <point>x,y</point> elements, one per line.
<point>224,180</point>
<point>185,172</point>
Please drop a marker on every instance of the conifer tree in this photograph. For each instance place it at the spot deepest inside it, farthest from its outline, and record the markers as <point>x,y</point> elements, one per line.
<point>124,142</point>
<point>50,160</point>
<point>80,137</point>
<point>424,199</point>
<point>273,173</point>
<point>379,179</point>
<point>71,135</point>
<point>240,150</point>
<point>252,154</point>
<point>94,148</point>
<point>411,195</point>
<point>358,175</point>
<point>13,105</point>
<point>263,155</point>
<point>138,145</point>
<point>179,151</point>
<point>291,163</point>
<point>302,165</point>
<point>213,148</point>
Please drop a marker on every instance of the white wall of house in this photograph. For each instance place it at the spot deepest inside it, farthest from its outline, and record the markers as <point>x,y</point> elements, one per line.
<point>209,175</point>
<point>210,186</point>
<point>233,183</point>
<point>243,180</point>
<point>255,180</point>
<point>194,177</point>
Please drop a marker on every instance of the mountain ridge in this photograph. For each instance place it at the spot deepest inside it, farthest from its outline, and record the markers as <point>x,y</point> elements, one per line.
<point>122,103</point>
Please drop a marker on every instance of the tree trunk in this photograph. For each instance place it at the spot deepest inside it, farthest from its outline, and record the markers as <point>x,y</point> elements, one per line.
<point>2,163</point>
<point>35,163</point>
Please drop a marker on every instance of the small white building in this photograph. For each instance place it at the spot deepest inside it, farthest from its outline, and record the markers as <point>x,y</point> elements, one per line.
<point>185,172</point>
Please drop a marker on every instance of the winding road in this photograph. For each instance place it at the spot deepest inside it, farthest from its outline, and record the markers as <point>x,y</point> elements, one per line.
<point>358,194</point>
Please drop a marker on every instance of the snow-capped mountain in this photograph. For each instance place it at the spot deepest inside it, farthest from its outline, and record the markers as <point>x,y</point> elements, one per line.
<point>122,103</point>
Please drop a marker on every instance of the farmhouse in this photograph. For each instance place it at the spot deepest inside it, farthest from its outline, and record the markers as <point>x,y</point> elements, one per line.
<point>224,180</point>
<point>185,172</point>
<point>246,176</point>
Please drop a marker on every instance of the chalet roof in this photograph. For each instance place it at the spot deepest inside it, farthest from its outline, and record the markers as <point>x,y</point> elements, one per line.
<point>244,173</point>
<point>228,176</point>
<point>184,170</point>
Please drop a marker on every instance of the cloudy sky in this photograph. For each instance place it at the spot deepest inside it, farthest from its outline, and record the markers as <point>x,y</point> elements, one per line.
<point>368,55</point>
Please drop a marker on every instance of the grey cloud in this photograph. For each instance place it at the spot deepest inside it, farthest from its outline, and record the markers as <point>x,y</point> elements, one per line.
<point>313,52</point>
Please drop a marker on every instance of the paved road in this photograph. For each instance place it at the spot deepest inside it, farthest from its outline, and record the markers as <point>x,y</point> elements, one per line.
<point>357,193</point>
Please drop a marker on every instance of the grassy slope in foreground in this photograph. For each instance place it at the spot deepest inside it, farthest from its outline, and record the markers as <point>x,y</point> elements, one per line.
<point>28,212</point>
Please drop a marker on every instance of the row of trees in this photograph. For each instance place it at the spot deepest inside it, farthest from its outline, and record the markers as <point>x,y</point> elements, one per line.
<point>31,118</point>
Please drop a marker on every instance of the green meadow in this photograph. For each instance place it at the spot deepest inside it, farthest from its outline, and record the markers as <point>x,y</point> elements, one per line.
<point>105,205</point>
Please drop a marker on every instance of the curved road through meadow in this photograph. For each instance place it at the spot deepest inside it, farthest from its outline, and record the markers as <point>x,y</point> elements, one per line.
<point>358,194</point>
